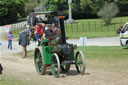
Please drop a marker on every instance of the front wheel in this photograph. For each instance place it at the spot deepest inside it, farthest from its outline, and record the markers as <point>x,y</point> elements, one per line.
<point>80,62</point>
<point>55,65</point>
<point>38,60</point>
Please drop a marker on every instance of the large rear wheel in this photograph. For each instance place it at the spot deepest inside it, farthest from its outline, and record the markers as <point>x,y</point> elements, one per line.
<point>80,62</point>
<point>55,65</point>
<point>38,60</point>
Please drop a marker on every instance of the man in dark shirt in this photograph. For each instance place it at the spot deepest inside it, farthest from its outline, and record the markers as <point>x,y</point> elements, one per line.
<point>49,33</point>
<point>24,41</point>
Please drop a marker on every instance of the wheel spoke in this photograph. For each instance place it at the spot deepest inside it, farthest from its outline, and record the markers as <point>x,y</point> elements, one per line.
<point>55,65</point>
<point>79,61</point>
<point>38,59</point>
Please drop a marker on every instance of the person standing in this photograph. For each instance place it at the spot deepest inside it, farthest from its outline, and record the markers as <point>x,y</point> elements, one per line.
<point>24,41</point>
<point>37,32</point>
<point>10,37</point>
<point>27,30</point>
<point>121,29</point>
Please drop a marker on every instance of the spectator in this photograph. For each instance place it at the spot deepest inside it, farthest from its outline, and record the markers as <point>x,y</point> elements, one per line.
<point>41,29</point>
<point>1,69</point>
<point>24,41</point>
<point>27,30</point>
<point>37,32</point>
<point>10,37</point>
<point>120,29</point>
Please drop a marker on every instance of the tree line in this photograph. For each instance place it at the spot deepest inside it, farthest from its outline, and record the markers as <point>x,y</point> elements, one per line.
<point>85,8</point>
<point>12,10</point>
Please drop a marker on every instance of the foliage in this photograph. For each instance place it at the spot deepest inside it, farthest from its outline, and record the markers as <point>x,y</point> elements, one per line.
<point>38,1</point>
<point>55,5</point>
<point>89,8</point>
<point>75,8</point>
<point>26,1</point>
<point>10,10</point>
<point>84,8</point>
<point>108,11</point>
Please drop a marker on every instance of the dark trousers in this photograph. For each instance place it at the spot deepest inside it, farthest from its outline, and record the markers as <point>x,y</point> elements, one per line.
<point>1,68</point>
<point>10,44</point>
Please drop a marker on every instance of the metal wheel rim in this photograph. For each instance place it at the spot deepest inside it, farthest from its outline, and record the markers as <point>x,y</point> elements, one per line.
<point>38,60</point>
<point>55,65</point>
<point>80,62</point>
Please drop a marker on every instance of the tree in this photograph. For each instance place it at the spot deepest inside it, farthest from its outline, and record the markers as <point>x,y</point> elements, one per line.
<point>56,5</point>
<point>11,10</point>
<point>108,11</point>
<point>75,9</point>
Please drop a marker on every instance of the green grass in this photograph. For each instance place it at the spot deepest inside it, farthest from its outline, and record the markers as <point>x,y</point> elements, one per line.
<point>90,34</point>
<point>94,28</point>
<point>16,33</point>
<point>112,58</point>
<point>7,80</point>
<point>104,52</point>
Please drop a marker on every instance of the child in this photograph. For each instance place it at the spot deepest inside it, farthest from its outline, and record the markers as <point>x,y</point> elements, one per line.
<point>1,68</point>
<point>10,37</point>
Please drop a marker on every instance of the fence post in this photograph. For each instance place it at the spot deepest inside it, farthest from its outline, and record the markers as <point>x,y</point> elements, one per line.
<point>19,25</point>
<point>14,28</point>
<point>89,26</point>
<point>95,26</point>
<point>121,21</point>
<point>101,26</point>
<point>71,27</point>
<point>77,27</point>
<point>108,27</point>
<point>114,26</point>
<point>83,26</point>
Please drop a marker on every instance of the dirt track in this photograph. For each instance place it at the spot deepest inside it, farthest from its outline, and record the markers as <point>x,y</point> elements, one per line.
<point>23,69</point>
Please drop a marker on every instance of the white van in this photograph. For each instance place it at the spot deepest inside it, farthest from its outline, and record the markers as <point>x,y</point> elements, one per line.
<point>124,36</point>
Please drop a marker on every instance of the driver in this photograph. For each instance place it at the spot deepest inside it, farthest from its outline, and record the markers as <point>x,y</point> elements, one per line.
<point>49,33</point>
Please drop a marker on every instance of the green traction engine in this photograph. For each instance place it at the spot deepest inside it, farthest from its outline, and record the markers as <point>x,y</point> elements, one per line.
<point>58,57</point>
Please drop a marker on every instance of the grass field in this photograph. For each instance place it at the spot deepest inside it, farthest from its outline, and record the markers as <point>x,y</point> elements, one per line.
<point>113,58</point>
<point>94,28</point>
<point>76,35</point>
